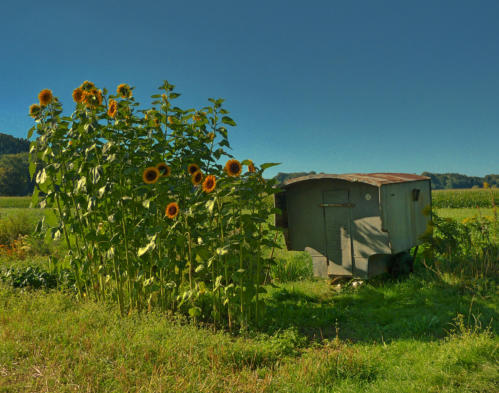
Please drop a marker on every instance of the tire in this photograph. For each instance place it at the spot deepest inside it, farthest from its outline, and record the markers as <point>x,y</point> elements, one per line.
<point>401,264</point>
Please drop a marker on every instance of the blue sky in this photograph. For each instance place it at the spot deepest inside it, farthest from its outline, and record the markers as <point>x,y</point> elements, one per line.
<point>330,86</point>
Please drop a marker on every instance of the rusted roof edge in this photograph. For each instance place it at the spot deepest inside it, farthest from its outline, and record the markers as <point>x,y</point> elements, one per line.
<point>374,179</point>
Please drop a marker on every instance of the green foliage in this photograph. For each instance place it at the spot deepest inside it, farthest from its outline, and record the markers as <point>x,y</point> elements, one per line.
<point>14,175</point>
<point>148,240</point>
<point>465,198</point>
<point>12,145</point>
<point>468,250</point>
<point>36,278</point>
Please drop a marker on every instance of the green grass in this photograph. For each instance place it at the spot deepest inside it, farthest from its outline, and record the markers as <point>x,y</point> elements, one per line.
<point>392,337</point>
<point>461,214</point>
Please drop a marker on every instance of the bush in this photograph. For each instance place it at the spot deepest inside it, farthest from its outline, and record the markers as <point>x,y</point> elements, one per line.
<point>468,250</point>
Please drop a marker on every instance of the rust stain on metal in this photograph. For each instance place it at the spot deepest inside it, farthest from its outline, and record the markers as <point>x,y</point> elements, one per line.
<point>374,179</point>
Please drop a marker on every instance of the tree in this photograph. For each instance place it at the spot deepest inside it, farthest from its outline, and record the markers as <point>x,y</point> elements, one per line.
<point>12,145</point>
<point>14,175</point>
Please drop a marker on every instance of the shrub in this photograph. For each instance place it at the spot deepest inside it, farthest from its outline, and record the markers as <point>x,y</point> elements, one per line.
<point>467,250</point>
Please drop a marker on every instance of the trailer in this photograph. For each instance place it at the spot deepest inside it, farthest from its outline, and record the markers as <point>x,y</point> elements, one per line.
<point>357,224</point>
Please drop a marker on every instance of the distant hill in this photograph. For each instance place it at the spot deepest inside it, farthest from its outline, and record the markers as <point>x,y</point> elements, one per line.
<point>11,145</point>
<point>439,181</point>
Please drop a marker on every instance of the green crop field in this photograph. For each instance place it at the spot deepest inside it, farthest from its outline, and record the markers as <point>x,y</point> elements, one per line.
<point>433,331</point>
<point>465,198</point>
<point>8,202</point>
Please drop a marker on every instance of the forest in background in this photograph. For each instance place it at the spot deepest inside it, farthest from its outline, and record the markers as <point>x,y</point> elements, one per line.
<point>14,174</point>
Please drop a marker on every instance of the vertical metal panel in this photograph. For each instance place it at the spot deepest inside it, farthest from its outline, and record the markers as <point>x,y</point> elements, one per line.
<point>402,216</point>
<point>305,217</point>
<point>337,228</point>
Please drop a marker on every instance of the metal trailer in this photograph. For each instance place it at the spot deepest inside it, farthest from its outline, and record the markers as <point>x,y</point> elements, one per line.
<point>358,225</point>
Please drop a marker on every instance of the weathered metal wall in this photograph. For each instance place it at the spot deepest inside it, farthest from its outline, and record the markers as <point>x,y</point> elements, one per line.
<point>402,216</point>
<point>353,223</point>
<point>367,234</point>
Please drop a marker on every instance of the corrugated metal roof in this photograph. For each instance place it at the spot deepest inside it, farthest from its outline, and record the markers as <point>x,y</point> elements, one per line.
<point>374,179</point>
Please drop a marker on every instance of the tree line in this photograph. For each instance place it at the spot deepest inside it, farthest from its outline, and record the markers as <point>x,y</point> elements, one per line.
<point>14,163</point>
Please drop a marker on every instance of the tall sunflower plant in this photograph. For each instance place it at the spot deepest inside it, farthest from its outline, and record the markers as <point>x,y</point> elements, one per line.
<point>153,209</point>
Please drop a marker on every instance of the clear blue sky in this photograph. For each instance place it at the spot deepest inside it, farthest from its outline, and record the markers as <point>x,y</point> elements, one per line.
<point>330,86</point>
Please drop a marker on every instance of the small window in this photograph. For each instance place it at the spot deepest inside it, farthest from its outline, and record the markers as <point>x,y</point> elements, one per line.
<point>415,194</point>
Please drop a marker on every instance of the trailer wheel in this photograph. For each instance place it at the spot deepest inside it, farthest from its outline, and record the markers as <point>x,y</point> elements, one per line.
<point>401,264</point>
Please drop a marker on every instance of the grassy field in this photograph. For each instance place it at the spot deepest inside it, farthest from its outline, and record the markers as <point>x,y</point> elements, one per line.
<point>427,332</point>
<point>21,202</point>
<point>413,335</point>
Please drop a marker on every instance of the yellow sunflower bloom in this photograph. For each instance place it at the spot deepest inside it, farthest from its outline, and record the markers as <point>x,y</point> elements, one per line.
<point>34,110</point>
<point>163,169</point>
<point>193,168</point>
<point>92,98</point>
<point>197,178</point>
<point>78,95</point>
<point>87,85</point>
<point>45,97</point>
<point>233,168</point>
<point>124,91</point>
<point>113,108</point>
<point>209,183</point>
<point>251,167</point>
<point>151,175</point>
<point>172,210</point>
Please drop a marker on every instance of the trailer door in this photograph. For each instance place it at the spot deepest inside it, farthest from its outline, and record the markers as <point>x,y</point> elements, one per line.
<point>337,229</point>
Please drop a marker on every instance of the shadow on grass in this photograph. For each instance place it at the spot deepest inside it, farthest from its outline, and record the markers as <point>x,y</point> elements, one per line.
<point>417,307</point>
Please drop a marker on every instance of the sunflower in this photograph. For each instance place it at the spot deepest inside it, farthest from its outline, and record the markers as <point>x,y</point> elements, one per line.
<point>150,175</point>
<point>124,91</point>
<point>113,108</point>
<point>87,85</point>
<point>209,183</point>
<point>98,95</point>
<point>163,169</point>
<point>193,168</point>
<point>45,97</point>
<point>251,167</point>
<point>92,97</point>
<point>233,168</point>
<point>78,95</point>
<point>172,210</point>
<point>197,178</point>
<point>34,110</point>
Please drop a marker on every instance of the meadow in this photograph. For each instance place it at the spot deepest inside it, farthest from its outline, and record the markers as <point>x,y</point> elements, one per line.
<point>433,331</point>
